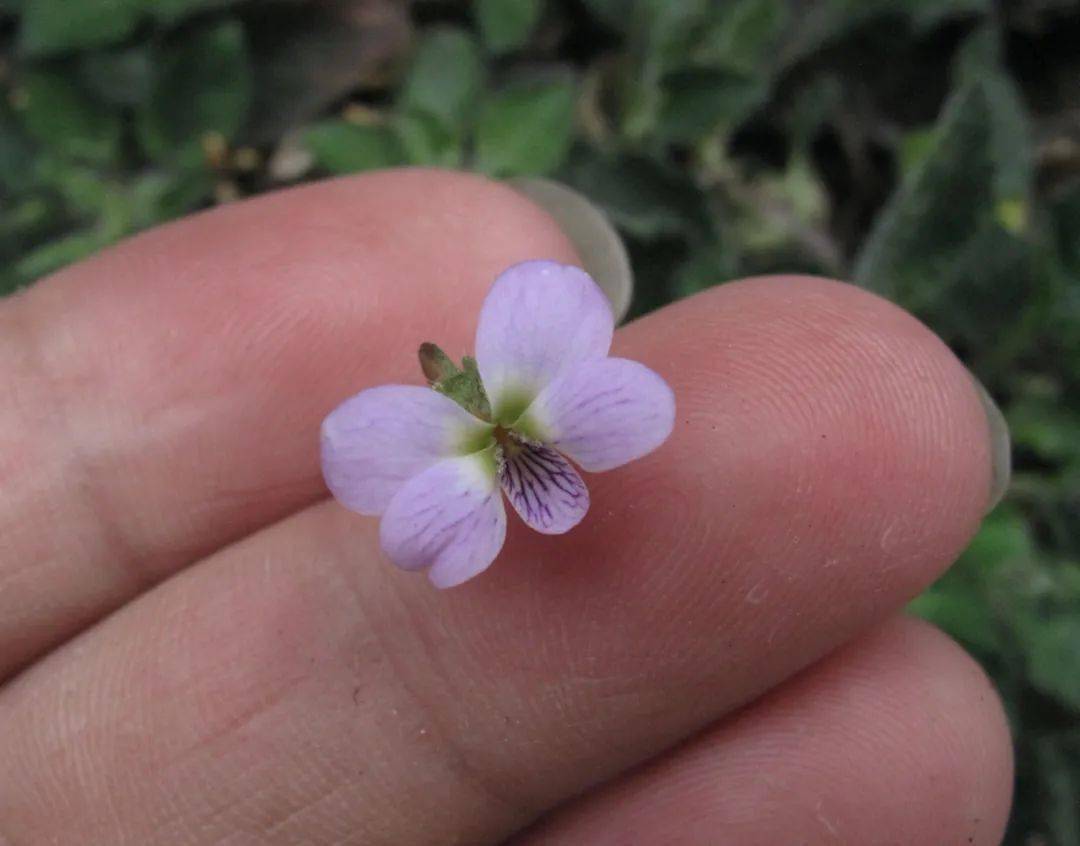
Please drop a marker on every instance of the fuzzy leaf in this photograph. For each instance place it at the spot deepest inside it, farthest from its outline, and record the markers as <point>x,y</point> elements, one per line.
<point>341,147</point>
<point>65,119</point>
<point>506,24</point>
<point>525,129</point>
<point>445,77</point>
<point>51,27</point>
<point>203,86</point>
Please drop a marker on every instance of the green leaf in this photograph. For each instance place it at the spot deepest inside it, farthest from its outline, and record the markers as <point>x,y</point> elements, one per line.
<point>661,35</point>
<point>664,32</point>
<point>822,23</point>
<point>1011,143</point>
<point>170,11</point>
<point>309,57</point>
<point>814,106</point>
<point>119,77</point>
<point>939,206</point>
<point>445,77</point>
<point>1059,774</point>
<point>203,86</point>
<point>426,141</point>
<point>54,255</point>
<point>967,601</point>
<point>341,147</point>
<point>641,196</point>
<point>157,197</point>
<point>53,27</point>
<point>929,13</point>
<point>16,156</point>
<point>27,216</point>
<point>525,129</point>
<point>743,36</point>
<point>962,615</point>
<point>1066,220</point>
<point>697,103</point>
<point>612,13</point>
<point>50,27</point>
<point>506,24</point>
<point>1053,653</point>
<point>708,265</point>
<point>945,224</point>
<point>84,189</point>
<point>1004,540</point>
<point>63,118</point>
<point>1046,428</point>
<point>915,148</point>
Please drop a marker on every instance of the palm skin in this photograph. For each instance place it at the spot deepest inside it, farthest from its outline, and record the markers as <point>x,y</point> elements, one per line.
<point>200,648</point>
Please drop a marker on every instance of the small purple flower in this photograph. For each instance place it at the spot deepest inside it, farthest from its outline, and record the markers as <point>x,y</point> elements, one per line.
<point>542,389</point>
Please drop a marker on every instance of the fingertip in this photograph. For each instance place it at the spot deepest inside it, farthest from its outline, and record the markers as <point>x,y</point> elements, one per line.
<point>971,729</point>
<point>859,408</point>
<point>896,738</point>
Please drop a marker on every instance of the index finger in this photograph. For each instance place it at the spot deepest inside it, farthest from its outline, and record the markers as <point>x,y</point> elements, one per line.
<point>165,396</point>
<point>829,459</point>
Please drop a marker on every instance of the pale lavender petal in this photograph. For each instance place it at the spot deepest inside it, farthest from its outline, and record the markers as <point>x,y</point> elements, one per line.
<point>539,319</point>
<point>450,518</point>
<point>377,440</point>
<point>544,488</point>
<point>604,413</point>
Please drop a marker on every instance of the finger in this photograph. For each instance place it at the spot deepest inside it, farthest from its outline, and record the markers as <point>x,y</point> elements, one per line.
<point>898,738</point>
<point>830,460</point>
<point>163,395</point>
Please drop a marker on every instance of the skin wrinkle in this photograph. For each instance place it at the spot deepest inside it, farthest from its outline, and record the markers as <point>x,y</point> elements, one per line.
<point>216,745</point>
<point>303,810</point>
<point>773,770</point>
<point>257,708</point>
<point>78,468</point>
<point>456,757</point>
<point>434,673</point>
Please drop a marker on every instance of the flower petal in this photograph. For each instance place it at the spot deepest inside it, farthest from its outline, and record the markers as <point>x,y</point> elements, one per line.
<point>544,488</point>
<point>604,413</point>
<point>377,440</point>
<point>449,518</point>
<point>539,318</point>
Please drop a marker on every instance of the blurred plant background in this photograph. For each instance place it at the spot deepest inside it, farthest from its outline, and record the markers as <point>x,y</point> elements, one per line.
<point>927,149</point>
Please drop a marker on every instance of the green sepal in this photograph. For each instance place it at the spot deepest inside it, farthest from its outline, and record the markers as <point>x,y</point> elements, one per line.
<point>462,385</point>
<point>436,364</point>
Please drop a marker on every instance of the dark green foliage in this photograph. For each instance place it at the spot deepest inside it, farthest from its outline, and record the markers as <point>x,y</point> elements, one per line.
<point>525,128</point>
<point>340,147</point>
<point>506,24</point>
<point>926,149</point>
<point>202,87</point>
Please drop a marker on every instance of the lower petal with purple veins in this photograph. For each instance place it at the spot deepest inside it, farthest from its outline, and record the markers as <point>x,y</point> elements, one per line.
<point>543,487</point>
<point>449,519</point>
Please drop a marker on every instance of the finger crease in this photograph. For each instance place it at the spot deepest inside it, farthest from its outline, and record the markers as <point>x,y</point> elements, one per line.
<point>76,465</point>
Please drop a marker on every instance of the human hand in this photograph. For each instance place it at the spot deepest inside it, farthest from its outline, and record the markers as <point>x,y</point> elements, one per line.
<point>214,653</point>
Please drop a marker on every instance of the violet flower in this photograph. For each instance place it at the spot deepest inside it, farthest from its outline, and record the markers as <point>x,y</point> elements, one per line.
<point>541,389</point>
